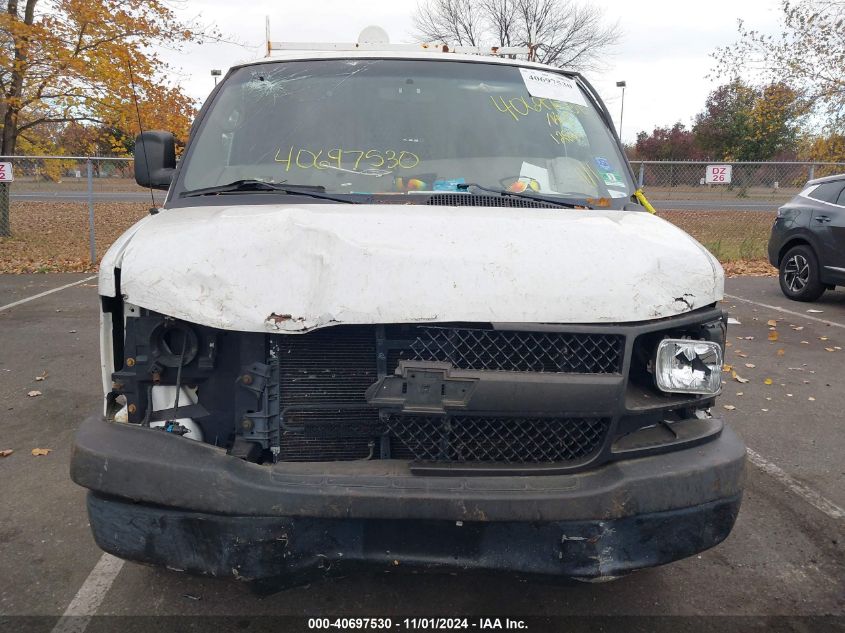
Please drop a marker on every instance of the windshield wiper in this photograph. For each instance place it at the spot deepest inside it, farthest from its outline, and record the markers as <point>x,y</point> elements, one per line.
<point>561,202</point>
<point>250,184</point>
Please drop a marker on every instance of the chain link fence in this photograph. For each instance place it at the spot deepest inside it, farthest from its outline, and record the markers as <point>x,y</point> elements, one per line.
<point>64,211</point>
<point>770,181</point>
<point>732,219</point>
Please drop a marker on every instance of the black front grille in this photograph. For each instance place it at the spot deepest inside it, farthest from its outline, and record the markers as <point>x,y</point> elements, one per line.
<point>462,438</point>
<point>503,350</point>
<point>325,416</point>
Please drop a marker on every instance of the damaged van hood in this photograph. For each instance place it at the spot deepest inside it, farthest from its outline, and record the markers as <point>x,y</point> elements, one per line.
<point>299,267</point>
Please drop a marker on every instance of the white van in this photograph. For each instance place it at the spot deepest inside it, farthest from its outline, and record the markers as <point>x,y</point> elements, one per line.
<point>406,308</point>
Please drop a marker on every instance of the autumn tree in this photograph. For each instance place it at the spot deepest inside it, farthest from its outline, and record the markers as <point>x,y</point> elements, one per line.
<point>74,61</point>
<point>724,125</point>
<point>776,118</point>
<point>809,52</point>
<point>744,123</point>
<point>560,32</point>
<point>667,143</point>
<point>823,148</point>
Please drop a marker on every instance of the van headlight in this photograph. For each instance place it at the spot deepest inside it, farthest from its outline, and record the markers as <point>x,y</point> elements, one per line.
<point>688,366</point>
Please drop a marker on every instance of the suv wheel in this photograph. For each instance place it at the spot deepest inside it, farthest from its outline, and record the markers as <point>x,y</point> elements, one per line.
<point>799,274</point>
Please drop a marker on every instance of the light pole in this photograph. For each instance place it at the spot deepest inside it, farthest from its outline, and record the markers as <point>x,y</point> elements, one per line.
<point>621,84</point>
<point>215,72</point>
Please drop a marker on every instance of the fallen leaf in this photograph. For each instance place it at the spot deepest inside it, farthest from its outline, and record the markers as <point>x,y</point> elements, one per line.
<point>773,335</point>
<point>750,365</point>
<point>772,322</point>
<point>727,367</point>
<point>46,235</point>
<point>789,395</point>
<point>733,321</point>
<point>728,344</point>
<point>739,393</point>
<point>42,376</point>
<point>741,354</point>
<point>830,349</point>
<point>41,451</point>
<point>755,268</point>
<point>822,338</point>
<point>797,328</point>
<point>811,399</point>
<point>6,452</point>
<point>764,410</point>
<point>739,378</point>
<point>781,352</point>
<point>33,394</point>
<point>749,338</point>
<point>729,407</point>
<point>805,342</point>
<point>815,311</point>
<point>767,381</point>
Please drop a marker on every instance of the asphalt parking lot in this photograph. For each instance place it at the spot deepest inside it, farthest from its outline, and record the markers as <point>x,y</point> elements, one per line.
<point>785,556</point>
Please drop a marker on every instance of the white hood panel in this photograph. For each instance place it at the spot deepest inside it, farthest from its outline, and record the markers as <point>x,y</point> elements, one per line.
<point>295,268</point>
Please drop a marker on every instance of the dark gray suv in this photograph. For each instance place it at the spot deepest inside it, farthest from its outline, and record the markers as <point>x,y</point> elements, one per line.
<point>807,244</point>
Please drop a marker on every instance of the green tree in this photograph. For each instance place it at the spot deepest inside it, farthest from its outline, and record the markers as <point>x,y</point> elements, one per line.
<point>809,52</point>
<point>723,129</point>
<point>743,123</point>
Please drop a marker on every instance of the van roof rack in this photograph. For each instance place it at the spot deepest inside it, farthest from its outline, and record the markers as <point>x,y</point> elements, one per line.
<point>375,38</point>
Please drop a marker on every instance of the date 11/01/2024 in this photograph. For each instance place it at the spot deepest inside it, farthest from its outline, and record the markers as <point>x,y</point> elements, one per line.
<point>430,624</point>
<point>308,159</point>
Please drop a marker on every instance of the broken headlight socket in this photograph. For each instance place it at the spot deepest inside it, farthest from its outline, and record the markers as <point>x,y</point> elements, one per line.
<point>174,344</point>
<point>688,366</point>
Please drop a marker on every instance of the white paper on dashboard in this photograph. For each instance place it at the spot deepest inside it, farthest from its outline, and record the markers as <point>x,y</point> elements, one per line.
<point>540,174</point>
<point>546,85</point>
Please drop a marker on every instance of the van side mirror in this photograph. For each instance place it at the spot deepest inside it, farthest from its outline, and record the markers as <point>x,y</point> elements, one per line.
<point>155,159</point>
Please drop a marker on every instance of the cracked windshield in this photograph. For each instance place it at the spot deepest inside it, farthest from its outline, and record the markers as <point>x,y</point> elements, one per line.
<point>404,127</point>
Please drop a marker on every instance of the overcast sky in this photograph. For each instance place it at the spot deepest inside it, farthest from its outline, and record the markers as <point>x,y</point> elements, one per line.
<point>663,54</point>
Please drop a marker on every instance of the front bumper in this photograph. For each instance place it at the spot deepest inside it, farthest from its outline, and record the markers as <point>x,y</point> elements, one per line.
<point>167,500</point>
